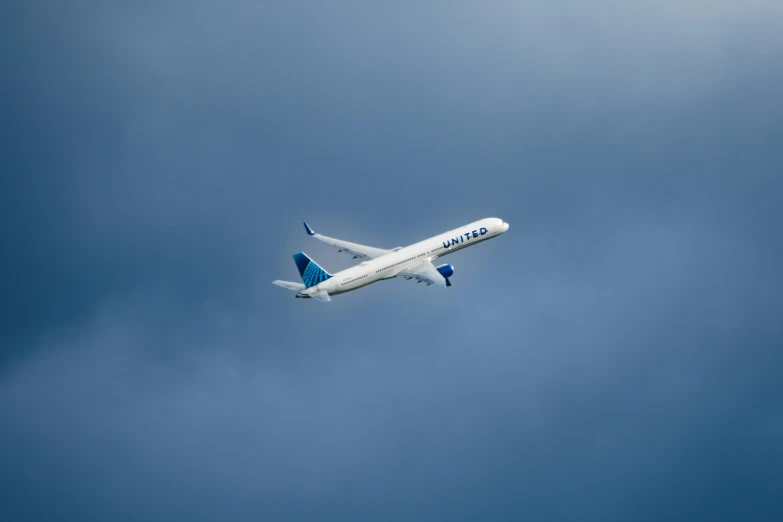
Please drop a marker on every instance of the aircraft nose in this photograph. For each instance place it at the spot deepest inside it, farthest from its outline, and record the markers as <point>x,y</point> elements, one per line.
<point>504,227</point>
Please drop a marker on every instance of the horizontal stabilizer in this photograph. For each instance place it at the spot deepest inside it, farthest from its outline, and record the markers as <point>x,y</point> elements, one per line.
<point>322,296</point>
<point>296,287</point>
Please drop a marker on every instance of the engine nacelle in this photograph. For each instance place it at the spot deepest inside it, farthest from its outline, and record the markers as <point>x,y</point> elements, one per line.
<point>446,270</point>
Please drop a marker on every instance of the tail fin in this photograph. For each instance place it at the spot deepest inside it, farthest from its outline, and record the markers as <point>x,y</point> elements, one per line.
<point>311,273</point>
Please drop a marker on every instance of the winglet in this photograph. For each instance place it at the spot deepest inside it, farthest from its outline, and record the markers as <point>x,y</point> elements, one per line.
<point>309,230</point>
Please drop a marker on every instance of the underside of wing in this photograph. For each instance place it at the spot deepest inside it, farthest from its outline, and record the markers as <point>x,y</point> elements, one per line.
<point>425,272</point>
<point>354,249</point>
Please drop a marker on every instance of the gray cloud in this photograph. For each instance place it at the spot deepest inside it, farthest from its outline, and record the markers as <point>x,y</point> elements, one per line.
<point>614,357</point>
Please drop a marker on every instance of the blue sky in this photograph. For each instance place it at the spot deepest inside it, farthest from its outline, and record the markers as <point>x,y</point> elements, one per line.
<point>614,356</point>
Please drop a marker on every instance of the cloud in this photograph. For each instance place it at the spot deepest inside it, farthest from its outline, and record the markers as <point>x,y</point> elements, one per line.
<point>612,357</point>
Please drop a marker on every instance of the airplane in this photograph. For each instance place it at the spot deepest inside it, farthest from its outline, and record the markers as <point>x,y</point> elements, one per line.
<point>413,262</point>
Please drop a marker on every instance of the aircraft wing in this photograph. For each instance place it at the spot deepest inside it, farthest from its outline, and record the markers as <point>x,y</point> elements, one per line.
<point>425,272</point>
<point>356,250</point>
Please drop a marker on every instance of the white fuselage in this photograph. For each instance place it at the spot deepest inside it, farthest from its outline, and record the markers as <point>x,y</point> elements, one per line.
<point>392,264</point>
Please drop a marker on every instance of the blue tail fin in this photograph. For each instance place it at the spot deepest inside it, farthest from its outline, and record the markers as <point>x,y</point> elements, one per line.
<point>311,273</point>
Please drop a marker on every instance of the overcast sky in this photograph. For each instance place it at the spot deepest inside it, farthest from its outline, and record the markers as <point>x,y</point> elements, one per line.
<point>616,356</point>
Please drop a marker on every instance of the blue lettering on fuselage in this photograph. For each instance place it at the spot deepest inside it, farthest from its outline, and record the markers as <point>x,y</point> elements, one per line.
<point>464,237</point>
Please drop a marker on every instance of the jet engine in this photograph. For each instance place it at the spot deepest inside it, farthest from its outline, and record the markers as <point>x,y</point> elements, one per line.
<point>446,270</point>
